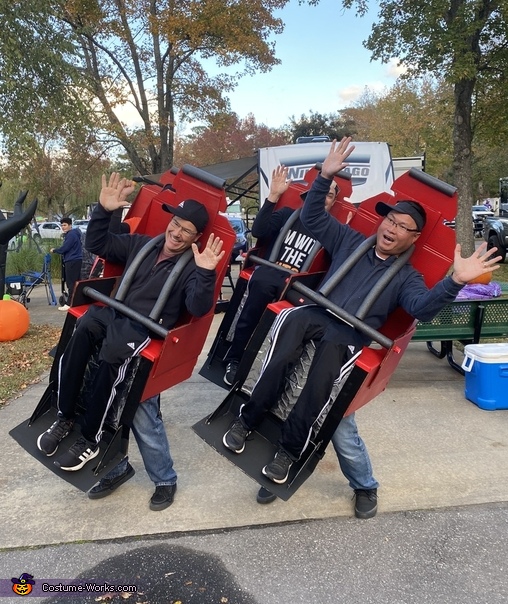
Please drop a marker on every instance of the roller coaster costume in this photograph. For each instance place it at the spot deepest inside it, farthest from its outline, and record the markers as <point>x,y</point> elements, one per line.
<point>266,283</point>
<point>338,344</point>
<point>121,337</point>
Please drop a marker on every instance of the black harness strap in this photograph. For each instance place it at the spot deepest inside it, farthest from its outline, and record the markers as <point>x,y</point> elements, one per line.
<point>375,292</point>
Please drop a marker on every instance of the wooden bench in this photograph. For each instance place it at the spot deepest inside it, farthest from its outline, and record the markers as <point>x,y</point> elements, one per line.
<point>465,321</point>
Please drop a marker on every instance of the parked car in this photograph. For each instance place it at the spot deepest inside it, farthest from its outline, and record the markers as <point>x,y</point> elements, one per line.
<point>480,213</point>
<point>47,230</point>
<point>243,238</point>
<point>495,233</point>
<point>82,225</point>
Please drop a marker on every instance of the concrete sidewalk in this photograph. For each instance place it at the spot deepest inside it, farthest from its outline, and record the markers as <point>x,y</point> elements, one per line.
<point>430,448</point>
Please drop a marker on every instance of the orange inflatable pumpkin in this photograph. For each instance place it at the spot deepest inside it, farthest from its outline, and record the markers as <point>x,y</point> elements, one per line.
<point>484,279</point>
<point>14,320</point>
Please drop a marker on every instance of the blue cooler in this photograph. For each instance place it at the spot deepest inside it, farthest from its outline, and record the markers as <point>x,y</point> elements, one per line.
<point>486,371</point>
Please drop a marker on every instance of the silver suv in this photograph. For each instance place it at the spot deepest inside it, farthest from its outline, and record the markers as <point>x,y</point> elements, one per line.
<point>47,230</point>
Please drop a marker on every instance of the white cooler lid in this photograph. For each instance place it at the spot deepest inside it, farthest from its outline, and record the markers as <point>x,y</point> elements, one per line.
<point>488,353</point>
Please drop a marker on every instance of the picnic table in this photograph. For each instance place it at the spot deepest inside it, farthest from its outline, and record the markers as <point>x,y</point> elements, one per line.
<point>467,322</point>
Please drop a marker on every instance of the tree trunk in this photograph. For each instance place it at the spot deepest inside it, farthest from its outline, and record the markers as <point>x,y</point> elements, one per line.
<point>462,164</point>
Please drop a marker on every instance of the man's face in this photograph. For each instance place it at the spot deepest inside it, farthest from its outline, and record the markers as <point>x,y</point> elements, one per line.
<point>396,233</point>
<point>331,196</point>
<point>65,226</point>
<point>180,234</point>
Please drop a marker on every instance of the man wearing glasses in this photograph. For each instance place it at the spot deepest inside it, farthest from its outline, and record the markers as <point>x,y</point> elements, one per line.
<point>338,344</point>
<point>120,338</point>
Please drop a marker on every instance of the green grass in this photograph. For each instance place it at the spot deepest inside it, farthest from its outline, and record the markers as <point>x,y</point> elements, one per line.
<point>23,361</point>
<point>501,274</point>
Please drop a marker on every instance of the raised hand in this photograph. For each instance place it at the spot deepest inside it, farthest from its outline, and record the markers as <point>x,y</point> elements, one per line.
<point>211,254</point>
<point>114,192</point>
<point>279,183</point>
<point>480,262</point>
<point>336,159</point>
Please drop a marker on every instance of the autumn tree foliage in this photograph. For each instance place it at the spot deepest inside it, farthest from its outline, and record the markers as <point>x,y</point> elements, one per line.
<point>226,137</point>
<point>143,65</point>
<point>414,116</point>
<point>320,124</point>
<point>466,43</point>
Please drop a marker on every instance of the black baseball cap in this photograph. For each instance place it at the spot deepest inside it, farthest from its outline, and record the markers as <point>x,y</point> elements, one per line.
<point>190,210</point>
<point>411,208</point>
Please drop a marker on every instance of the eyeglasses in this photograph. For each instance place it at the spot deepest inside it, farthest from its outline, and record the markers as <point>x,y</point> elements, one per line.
<point>186,232</point>
<point>401,227</point>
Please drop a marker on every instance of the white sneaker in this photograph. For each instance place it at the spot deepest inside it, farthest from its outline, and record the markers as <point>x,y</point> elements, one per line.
<point>64,307</point>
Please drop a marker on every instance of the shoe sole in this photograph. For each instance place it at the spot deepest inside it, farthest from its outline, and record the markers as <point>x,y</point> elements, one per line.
<point>273,479</point>
<point>56,448</point>
<point>158,507</point>
<point>264,499</point>
<point>237,451</point>
<point>105,492</point>
<point>366,515</point>
<point>42,450</point>
<point>79,466</point>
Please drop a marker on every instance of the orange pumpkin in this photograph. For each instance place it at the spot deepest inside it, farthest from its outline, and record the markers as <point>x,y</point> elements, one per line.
<point>484,279</point>
<point>14,320</point>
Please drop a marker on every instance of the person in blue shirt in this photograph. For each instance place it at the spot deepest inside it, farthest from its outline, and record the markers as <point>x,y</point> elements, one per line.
<point>72,254</point>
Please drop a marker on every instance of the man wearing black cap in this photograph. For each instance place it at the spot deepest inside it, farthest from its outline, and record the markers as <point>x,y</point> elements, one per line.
<point>338,344</point>
<point>119,337</point>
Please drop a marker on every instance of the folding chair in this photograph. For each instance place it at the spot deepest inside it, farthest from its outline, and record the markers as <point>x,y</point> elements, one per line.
<point>21,286</point>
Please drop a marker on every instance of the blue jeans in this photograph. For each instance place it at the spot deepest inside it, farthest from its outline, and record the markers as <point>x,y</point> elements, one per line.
<point>352,453</point>
<point>153,444</point>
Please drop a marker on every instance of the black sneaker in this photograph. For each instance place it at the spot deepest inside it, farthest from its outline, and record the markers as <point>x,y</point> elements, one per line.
<point>107,485</point>
<point>365,503</point>
<point>265,496</point>
<point>229,376</point>
<point>235,437</point>
<point>81,452</point>
<point>163,497</point>
<point>278,469</point>
<point>48,441</point>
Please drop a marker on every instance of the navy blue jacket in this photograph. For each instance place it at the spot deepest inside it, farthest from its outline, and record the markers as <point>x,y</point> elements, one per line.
<point>71,248</point>
<point>407,289</point>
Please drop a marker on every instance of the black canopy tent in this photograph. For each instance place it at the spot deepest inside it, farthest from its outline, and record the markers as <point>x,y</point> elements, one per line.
<point>234,172</point>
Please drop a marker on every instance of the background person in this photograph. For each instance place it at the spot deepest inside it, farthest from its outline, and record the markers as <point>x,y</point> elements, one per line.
<point>72,255</point>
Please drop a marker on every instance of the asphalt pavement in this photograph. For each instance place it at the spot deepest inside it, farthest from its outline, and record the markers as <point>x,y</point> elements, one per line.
<point>439,535</point>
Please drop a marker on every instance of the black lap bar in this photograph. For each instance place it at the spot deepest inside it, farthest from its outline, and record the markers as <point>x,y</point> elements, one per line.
<point>342,314</point>
<point>149,322</point>
<point>125,310</point>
